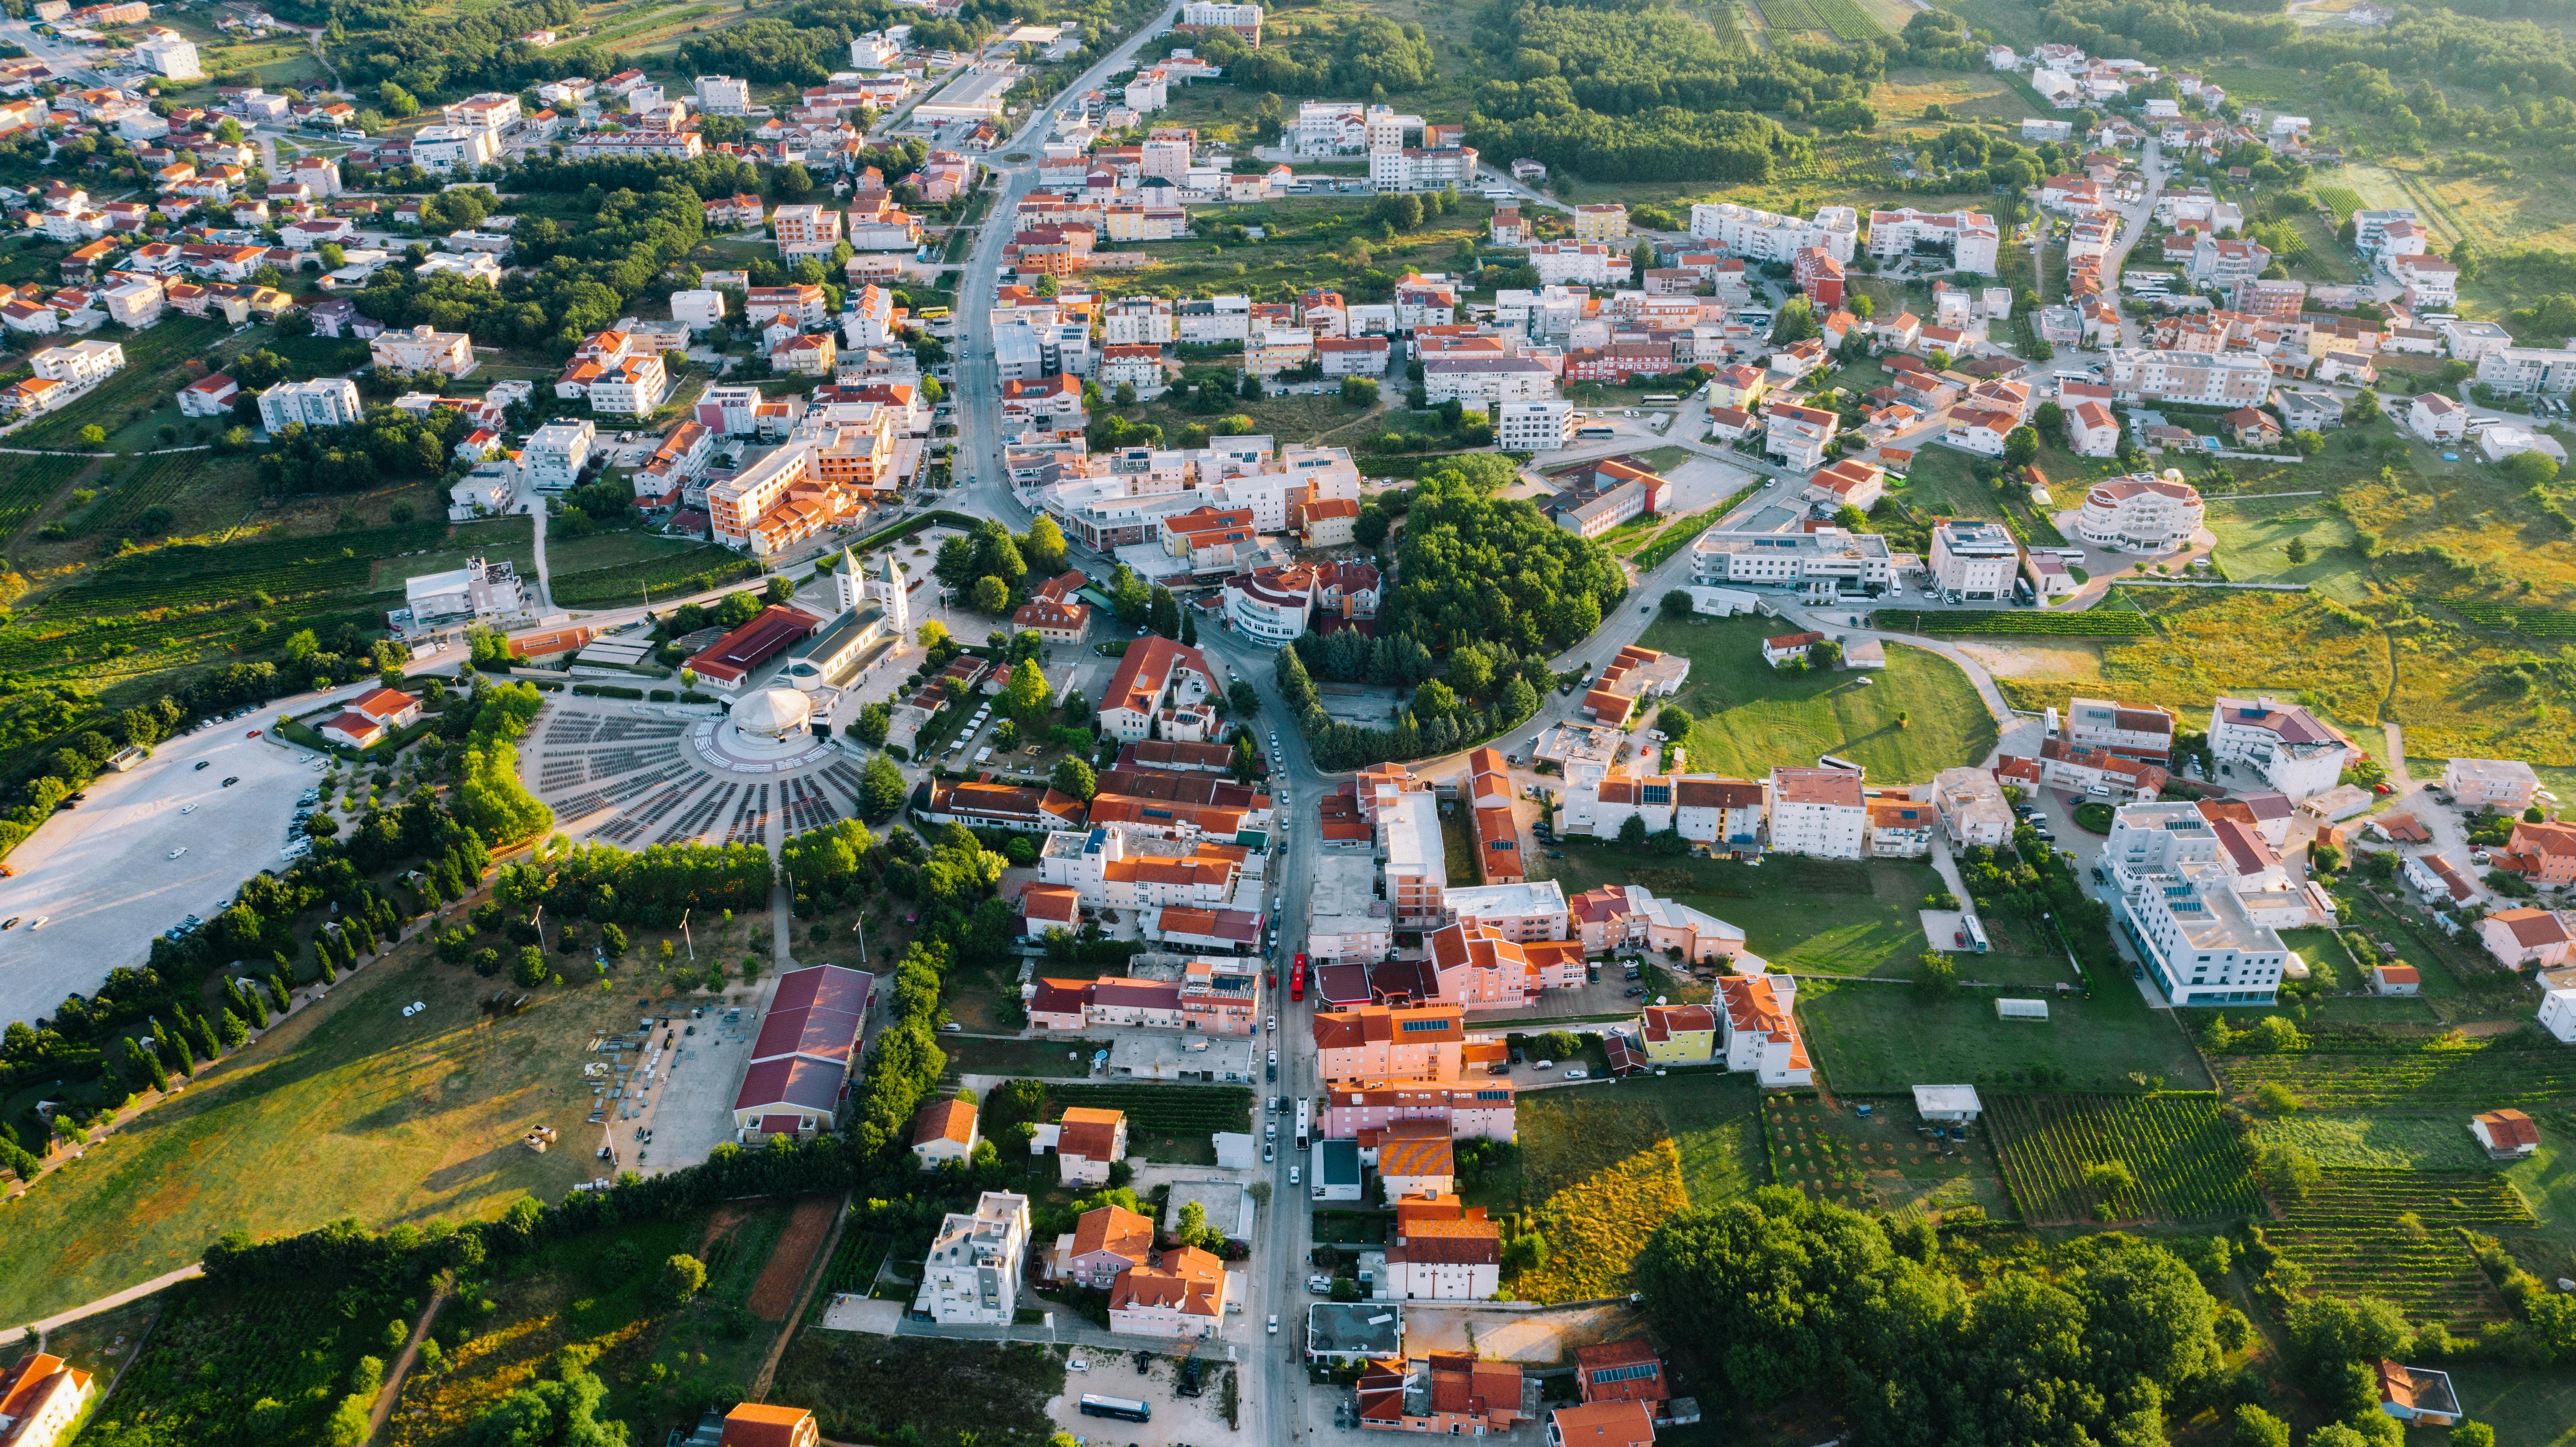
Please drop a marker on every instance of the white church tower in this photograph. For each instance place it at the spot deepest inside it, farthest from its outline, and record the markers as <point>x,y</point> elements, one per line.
<point>891,595</point>
<point>848,588</point>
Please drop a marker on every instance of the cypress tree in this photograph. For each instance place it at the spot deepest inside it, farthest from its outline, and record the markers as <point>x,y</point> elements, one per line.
<point>173,1053</point>
<point>144,1064</point>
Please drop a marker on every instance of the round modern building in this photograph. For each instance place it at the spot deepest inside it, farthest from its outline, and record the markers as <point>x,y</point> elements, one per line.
<point>772,716</point>
<point>2140,514</point>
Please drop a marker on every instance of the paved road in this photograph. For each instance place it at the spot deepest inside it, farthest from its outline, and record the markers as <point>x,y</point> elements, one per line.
<point>2151,166</point>
<point>12,1335</point>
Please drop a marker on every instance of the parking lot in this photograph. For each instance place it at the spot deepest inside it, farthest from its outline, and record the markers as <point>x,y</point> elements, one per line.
<point>101,876</point>
<point>1178,1421</point>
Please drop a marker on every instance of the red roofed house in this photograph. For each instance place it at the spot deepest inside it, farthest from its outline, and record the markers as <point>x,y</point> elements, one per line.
<point>1440,1251</point>
<point>2395,980</point>
<point>371,716</point>
<point>758,1424</point>
<point>1602,1424</point>
<point>1104,1242</point>
<point>2545,853</point>
<point>2507,1135</point>
<point>2519,938</point>
<point>1390,1042</point>
<point>1158,677</point>
<point>1620,1371</point>
<point>2418,1395</point>
<point>1049,906</point>
<point>1788,646</point>
<point>1761,1032</point>
<point>1055,613</point>
<point>1088,1141</point>
<point>39,1397</point>
<point>1182,1297</point>
<point>944,1131</point>
<point>1414,1158</point>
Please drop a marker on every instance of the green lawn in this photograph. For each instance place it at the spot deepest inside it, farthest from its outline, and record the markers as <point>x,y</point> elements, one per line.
<point>348,1109</point>
<point>1751,719</point>
<point>1826,916</point>
<point>2254,535</point>
<point>2527,1407</point>
<point>512,539</point>
<point>1047,1058</point>
<point>1871,1038</point>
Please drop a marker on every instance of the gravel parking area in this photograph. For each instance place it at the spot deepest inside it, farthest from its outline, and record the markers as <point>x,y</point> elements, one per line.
<point>100,875</point>
<point>1178,1421</point>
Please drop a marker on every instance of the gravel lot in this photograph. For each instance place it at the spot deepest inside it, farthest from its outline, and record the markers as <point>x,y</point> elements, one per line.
<point>101,876</point>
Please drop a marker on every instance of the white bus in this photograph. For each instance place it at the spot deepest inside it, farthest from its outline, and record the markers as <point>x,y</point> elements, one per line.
<point>1662,399</point>
<point>1304,1105</point>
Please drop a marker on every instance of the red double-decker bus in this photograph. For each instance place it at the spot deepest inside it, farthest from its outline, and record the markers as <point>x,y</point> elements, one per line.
<point>1297,979</point>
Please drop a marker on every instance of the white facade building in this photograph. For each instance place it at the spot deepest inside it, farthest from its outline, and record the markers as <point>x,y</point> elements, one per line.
<point>1540,425</point>
<point>1758,235</point>
<point>2177,901</point>
<point>1975,560</point>
<point>322,402</point>
<point>2289,747</point>
<point>1818,812</point>
<point>2141,514</point>
<point>553,457</point>
<point>972,1275</point>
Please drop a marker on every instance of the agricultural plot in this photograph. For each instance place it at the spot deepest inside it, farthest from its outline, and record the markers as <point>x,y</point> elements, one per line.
<point>2382,1142</point>
<point>2181,1162</point>
<point>271,567</point>
<point>30,483</point>
<point>2438,1074</point>
<point>1165,1110</point>
<point>156,483</point>
<point>2092,623</point>
<point>2536,622</point>
<point>1881,1162</point>
<point>694,571</point>
<point>2391,1234</point>
<point>1846,20</point>
<point>1792,15</point>
<point>155,366</point>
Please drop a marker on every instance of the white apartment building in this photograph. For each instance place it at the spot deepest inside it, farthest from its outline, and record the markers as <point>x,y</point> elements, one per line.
<point>1818,812</point>
<point>1542,425</point>
<point>698,310</point>
<point>2530,371</point>
<point>2502,784</point>
<point>1970,236</point>
<point>322,402</point>
<point>972,1276</point>
<point>2289,747</point>
<point>1971,806</point>
<point>2140,514</point>
<point>1418,168</point>
<point>1345,919</point>
<point>170,54</point>
<point>722,95</point>
<point>632,387</point>
<point>1758,235</point>
<point>81,365</point>
<point>1485,381</point>
<point>1137,322</point>
<point>2125,729</point>
<point>2193,378</point>
<point>1976,561</point>
<point>553,457</point>
<point>2177,902</point>
<point>1579,263</point>
<point>1820,566</point>
<point>444,150</point>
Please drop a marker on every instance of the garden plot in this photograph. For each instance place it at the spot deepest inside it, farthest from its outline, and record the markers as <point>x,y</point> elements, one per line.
<point>1878,1162</point>
<point>2382,1142</point>
<point>2174,1158</point>
<point>1599,1170</point>
<point>2390,1234</point>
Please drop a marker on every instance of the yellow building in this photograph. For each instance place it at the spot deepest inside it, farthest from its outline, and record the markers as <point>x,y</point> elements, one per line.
<point>1680,1034</point>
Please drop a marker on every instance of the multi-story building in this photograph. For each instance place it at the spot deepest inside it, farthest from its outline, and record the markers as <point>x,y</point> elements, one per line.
<point>1486,381</point>
<point>1156,679</point>
<point>1477,1110</point>
<point>1391,1042</point>
<point>1969,236</point>
<point>1819,812</point>
<point>1971,805</point>
<point>2135,731</point>
<point>443,150</point>
<point>1183,1296</point>
<point>1441,1251</point>
<point>2504,785</point>
<point>1538,425</point>
<point>2141,513</point>
<point>1975,561</point>
<point>169,54</point>
<point>1580,263</point>
<point>322,402</point>
<point>1758,235</point>
<point>2529,371</point>
<point>2196,379</point>
<point>972,1274</point>
<point>2288,747</point>
<point>40,1398</point>
<point>1820,566</point>
<point>422,349</point>
<point>723,95</point>
<point>2178,903</point>
<point>2223,262</point>
<point>79,366</point>
<point>1605,221</point>
<point>552,459</point>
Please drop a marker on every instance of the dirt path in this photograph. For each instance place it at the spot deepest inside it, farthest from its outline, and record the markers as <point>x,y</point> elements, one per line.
<point>811,1278</point>
<point>391,1392</point>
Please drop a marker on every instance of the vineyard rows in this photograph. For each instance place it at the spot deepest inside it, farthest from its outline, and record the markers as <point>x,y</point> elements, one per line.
<point>2389,1077</point>
<point>30,484</point>
<point>2537,622</point>
<point>1791,15</point>
<point>694,571</point>
<point>1847,20</point>
<point>2188,1167</point>
<point>2349,1237</point>
<point>2093,623</point>
<point>1165,1109</point>
<point>157,481</point>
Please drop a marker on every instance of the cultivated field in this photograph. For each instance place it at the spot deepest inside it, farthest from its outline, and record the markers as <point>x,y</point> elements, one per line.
<point>2429,1077</point>
<point>2390,1234</point>
<point>1878,1163</point>
<point>1872,1038</point>
<point>2184,1164</point>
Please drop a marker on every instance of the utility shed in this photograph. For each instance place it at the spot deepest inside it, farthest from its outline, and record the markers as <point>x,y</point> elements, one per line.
<point>1948,1104</point>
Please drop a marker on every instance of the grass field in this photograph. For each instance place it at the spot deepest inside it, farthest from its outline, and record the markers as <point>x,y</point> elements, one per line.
<point>347,1109</point>
<point>1880,1162</point>
<point>1874,1039</point>
<point>2254,535</point>
<point>1750,718</point>
<point>2382,1142</point>
<point>1049,1059</point>
<point>501,539</point>
<point>1820,915</point>
<point>1601,1167</point>
<point>923,1391</point>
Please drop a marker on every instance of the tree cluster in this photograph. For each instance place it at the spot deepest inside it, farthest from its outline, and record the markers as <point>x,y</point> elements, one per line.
<point>1472,566</point>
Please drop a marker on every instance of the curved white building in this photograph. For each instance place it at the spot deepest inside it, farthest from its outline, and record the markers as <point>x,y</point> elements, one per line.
<point>1271,604</point>
<point>2141,514</point>
<point>773,715</point>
